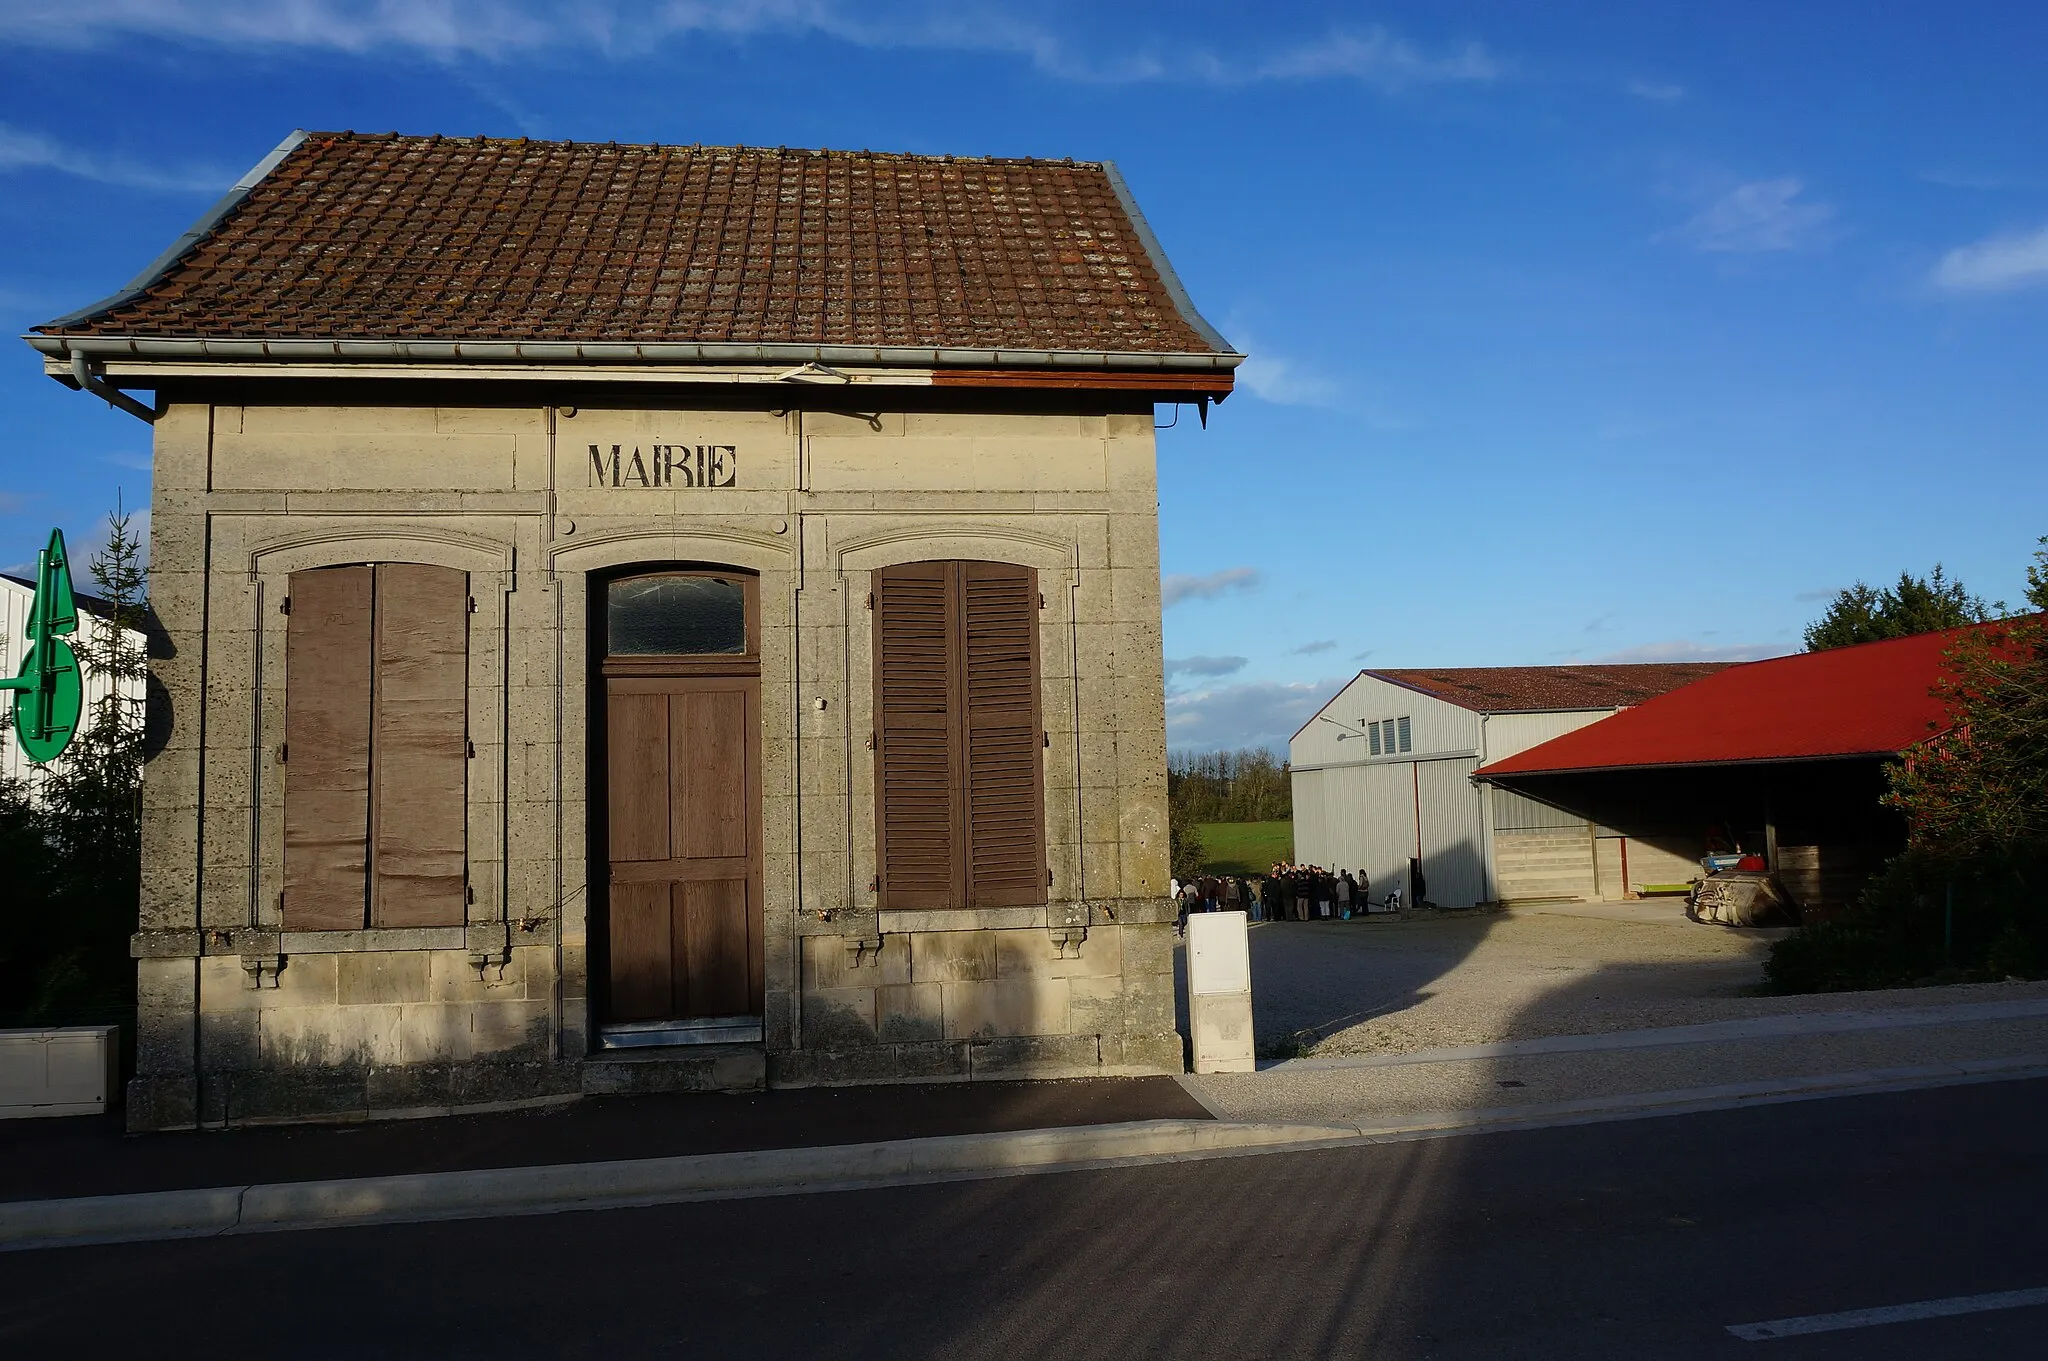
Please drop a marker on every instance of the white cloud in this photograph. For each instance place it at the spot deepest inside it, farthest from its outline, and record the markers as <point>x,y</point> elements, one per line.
<point>1762,215</point>
<point>1377,57</point>
<point>23,150</point>
<point>1320,645</point>
<point>12,503</point>
<point>141,463</point>
<point>1254,714</point>
<point>1272,378</point>
<point>1689,650</point>
<point>1656,91</point>
<point>1179,586</point>
<point>500,29</point>
<point>1996,264</point>
<point>1204,666</point>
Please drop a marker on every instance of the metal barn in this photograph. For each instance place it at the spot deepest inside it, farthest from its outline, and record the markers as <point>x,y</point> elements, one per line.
<point>1382,778</point>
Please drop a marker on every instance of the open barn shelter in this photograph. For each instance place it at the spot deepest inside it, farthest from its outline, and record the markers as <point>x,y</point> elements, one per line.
<point>1782,758</point>
<point>648,618</point>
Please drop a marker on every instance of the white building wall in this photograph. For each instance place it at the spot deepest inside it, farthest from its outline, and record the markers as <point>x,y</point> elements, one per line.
<point>1356,811</point>
<point>1434,726</point>
<point>1506,735</point>
<point>15,600</point>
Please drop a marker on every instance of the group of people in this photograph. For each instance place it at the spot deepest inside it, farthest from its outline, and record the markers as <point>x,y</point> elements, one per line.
<point>1289,892</point>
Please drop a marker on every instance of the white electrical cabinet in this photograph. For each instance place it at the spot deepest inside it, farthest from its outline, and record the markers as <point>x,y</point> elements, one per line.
<point>70,1070</point>
<point>1220,992</point>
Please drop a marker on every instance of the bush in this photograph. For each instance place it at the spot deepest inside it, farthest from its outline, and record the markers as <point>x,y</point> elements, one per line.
<point>1894,937</point>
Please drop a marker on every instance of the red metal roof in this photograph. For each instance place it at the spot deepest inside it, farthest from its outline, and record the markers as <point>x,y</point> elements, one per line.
<point>1513,689</point>
<point>1870,700</point>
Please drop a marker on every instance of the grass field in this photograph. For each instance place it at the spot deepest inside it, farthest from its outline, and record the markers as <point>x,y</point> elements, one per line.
<point>1246,847</point>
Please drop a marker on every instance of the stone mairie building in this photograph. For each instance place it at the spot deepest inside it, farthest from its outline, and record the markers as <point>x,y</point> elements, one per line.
<point>648,618</point>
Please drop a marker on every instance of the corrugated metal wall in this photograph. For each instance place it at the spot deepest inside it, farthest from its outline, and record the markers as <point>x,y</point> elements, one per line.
<point>1453,853</point>
<point>1511,734</point>
<point>14,609</point>
<point>1513,812</point>
<point>1363,817</point>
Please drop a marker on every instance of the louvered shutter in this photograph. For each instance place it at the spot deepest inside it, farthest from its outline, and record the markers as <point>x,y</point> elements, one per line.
<point>959,771</point>
<point>920,823</point>
<point>420,746</point>
<point>1004,770</point>
<point>327,748</point>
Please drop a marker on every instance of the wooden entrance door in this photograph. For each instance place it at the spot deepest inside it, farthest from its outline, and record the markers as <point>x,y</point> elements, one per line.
<point>683,814</point>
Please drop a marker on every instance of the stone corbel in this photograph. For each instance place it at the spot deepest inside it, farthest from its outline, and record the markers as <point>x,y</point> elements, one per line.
<point>1066,941</point>
<point>864,950</point>
<point>490,950</point>
<point>262,969</point>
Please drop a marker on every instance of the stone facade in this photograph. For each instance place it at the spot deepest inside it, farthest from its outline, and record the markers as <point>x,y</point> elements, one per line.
<point>242,1021</point>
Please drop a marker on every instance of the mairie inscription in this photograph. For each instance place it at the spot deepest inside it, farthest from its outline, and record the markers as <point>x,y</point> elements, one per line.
<point>665,465</point>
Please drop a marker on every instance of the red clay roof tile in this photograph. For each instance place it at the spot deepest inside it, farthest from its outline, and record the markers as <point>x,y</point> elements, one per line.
<point>390,237</point>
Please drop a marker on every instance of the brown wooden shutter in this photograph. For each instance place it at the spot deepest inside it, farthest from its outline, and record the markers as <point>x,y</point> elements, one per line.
<point>327,748</point>
<point>959,774</point>
<point>920,822</point>
<point>420,747</point>
<point>1004,794</point>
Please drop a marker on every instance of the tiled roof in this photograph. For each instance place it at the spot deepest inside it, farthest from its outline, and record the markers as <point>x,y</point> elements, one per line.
<point>1513,689</point>
<point>1874,699</point>
<point>392,238</point>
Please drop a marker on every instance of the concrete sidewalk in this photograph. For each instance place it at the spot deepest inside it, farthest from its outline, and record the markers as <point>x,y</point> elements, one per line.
<point>90,1156</point>
<point>1827,1050</point>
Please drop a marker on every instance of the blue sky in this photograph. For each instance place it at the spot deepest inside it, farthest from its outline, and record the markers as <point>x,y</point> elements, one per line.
<point>1579,331</point>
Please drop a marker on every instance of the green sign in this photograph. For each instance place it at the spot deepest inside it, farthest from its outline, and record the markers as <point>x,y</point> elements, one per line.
<point>48,693</point>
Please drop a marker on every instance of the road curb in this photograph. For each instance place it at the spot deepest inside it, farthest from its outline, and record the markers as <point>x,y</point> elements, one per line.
<point>552,1189</point>
<point>548,1189</point>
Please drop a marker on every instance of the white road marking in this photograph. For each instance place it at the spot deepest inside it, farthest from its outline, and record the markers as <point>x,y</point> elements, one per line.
<point>1891,1313</point>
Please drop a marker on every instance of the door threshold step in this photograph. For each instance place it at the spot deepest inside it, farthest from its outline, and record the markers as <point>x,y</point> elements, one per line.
<point>666,1034</point>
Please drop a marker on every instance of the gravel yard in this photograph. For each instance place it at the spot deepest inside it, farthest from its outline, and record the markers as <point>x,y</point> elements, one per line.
<point>1397,987</point>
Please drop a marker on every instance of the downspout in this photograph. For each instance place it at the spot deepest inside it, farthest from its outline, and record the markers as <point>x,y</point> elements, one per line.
<point>82,370</point>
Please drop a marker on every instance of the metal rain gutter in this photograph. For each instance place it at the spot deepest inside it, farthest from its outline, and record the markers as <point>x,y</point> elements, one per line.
<point>612,352</point>
<point>89,379</point>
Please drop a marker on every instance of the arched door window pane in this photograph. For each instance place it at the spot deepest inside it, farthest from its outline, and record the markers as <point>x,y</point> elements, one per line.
<point>670,616</point>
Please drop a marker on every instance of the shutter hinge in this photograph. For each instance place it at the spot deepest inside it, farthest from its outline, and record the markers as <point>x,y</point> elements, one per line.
<point>871,741</point>
<point>1041,600</point>
<point>282,748</point>
<point>280,900</point>
<point>472,604</point>
<point>471,745</point>
<point>875,884</point>
<point>1047,736</point>
<point>1048,878</point>
<point>469,893</point>
<point>871,599</point>
<point>284,606</point>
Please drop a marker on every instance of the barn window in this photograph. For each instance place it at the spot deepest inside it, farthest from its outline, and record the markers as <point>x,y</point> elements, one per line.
<point>958,745</point>
<point>1372,731</point>
<point>1402,723</point>
<point>376,746</point>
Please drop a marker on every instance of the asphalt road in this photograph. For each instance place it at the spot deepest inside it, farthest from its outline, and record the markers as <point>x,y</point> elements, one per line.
<point>1645,1238</point>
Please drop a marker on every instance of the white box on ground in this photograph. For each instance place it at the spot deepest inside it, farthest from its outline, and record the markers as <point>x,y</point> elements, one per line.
<point>1220,992</point>
<point>68,1070</point>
